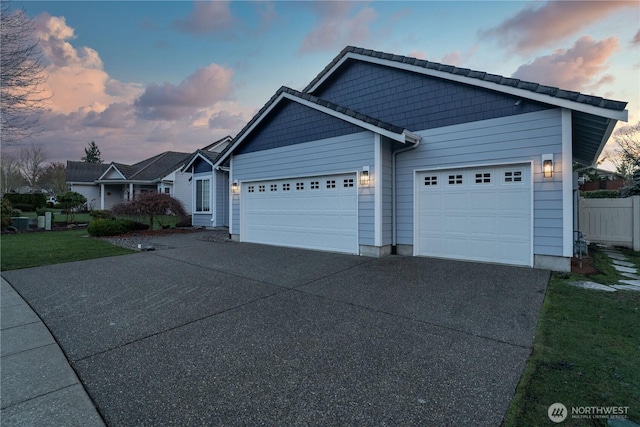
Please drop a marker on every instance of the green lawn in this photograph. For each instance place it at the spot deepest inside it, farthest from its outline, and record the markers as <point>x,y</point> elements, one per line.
<point>85,218</point>
<point>586,351</point>
<point>43,248</point>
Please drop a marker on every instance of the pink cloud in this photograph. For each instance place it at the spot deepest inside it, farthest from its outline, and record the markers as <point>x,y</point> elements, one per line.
<point>418,54</point>
<point>578,68</point>
<point>537,27</point>
<point>203,88</point>
<point>636,39</point>
<point>227,120</point>
<point>337,26</point>
<point>208,17</point>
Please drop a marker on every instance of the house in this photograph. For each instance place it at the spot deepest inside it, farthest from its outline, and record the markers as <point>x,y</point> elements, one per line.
<point>121,182</point>
<point>385,154</point>
<point>81,178</point>
<point>209,186</point>
<point>593,179</point>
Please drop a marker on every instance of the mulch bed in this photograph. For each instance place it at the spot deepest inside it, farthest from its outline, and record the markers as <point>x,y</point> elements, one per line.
<point>587,267</point>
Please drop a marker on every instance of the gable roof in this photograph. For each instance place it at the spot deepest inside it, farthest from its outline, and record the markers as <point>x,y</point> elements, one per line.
<point>381,127</point>
<point>214,145</point>
<point>530,90</point>
<point>210,157</point>
<point>151,169</point>
<point>83,171</point>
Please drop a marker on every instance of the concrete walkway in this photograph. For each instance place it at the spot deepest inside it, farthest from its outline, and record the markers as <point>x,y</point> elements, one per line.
<point>38,388</point>
<point>624,267</point>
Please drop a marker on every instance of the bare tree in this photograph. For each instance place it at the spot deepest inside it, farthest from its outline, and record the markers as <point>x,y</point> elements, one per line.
<point>21,76</point>
<point>31,163</point>
<point>54,178</point>
<point>10,176</point>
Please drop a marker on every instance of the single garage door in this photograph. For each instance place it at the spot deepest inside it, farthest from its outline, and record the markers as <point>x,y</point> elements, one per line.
<point>478,214</point>
<point>312,212</point>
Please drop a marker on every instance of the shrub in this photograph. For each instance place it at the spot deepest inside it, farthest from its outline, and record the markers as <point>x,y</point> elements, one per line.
<point>184,222</point>
<point>6,213</point>
<point>109,227</point>
<point>151,205</point>
<point>24,207</point>
<point>16,212</point>
<point>36,200</point>
<point>600,194</point>
<point>71,201</point>
<point>41,212</point>
<point>135,226</point>
<point>101,214</point>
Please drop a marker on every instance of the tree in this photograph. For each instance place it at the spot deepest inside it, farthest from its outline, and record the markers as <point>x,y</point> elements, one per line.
<point>21,76</point>
<point>10,178</point>
<point>151,205</point>
<point>71,201</point>
<point>31,163</point>
<point>54,178</point>
<point>626,157</point>
<point>92,154</point>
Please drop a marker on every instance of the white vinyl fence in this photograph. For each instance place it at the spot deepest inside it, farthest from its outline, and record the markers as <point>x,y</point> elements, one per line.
<point>614,222</point>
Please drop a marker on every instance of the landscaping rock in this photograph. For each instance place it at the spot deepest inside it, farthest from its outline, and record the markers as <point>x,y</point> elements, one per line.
<point>627,287</point>
<point>631,282</point>
<point>624,263</point>
<point>622,269</point>
<point>594,286</point>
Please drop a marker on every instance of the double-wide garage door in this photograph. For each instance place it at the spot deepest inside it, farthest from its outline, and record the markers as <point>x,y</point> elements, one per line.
<point>479,214</point>
<point>312,212</point>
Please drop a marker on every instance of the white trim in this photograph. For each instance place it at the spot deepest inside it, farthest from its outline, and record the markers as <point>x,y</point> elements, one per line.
<point>230,195</point>
<point>213,191</point>
<point>195,196</point>
<point>522,93</point>
<point>567,185</point>
<point>530,163</point>
<point>108,169</point>
<point>605,138</point>
<point>194,159</point>
<point>377,190</point>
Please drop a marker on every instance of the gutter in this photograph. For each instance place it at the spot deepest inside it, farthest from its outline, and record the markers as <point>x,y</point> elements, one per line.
<point>415,140</point>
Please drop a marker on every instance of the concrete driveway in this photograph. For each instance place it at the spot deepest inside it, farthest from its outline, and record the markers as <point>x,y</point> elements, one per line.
<point>242,334</point>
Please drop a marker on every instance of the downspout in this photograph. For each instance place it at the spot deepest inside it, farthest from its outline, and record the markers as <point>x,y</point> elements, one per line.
<point>394,216</point>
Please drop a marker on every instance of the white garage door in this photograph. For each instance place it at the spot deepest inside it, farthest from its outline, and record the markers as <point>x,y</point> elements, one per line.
<point>478,214</point>
<point>312,212</point>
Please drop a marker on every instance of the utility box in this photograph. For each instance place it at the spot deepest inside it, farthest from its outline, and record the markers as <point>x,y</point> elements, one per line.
<point>20,223</point>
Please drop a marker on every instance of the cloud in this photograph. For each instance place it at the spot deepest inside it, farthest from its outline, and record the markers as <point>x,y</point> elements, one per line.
<point>537,27</point>
<point>578,68</point>
<point>119,115</point>
<point>203,88</point>
<point>208,18</point>
<point>337,26</point>
<point>636,39</point>
<point>418,54</point>
<point>76,79</point>
<point>227,120</point>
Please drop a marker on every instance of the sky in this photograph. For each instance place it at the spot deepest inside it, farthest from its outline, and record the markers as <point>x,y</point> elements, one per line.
<point>143,77</point>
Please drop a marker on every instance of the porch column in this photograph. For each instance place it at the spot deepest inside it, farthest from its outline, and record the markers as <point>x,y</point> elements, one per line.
<point>101,196</point>
<point>131,191</point>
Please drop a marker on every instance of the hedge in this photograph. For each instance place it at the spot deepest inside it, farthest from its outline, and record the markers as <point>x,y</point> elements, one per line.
<point>37,200</point>
<point>600,194</point>
<point>109,227</point>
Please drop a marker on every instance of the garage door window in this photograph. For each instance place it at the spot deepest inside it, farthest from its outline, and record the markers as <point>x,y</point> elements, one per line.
<point>513,176</point>
<point>431,180</point>
<point>299,185</point>
<point>203,198</point>
<point>331,183</point>
<point>455,179</point>
<point>483,178</point>
<point>315,185</point>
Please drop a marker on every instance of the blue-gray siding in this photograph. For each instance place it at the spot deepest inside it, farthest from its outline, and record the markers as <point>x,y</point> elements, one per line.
<point>347,153</point>
<point>387,193</point>
<point>520,138</point>
<point>292,123</point>
<point>415,101</point>
<point>201,166</point>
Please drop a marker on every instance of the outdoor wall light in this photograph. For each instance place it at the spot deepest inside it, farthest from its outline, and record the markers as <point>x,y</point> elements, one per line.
<point>235,188</point>
<point>364,176</point>
<point>547,165</point>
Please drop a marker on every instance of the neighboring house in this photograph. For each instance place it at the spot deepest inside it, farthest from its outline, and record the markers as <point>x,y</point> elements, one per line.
<point>81,178</point>
<point>383,154</point>
<point>209,186</point>
<point>600,179</point>
<point>121,182</point>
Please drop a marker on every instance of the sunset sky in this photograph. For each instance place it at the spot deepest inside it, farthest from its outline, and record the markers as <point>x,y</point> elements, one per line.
<point>140,78</point>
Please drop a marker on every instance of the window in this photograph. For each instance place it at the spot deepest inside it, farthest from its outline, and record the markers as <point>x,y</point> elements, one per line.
<point>251,189</point>
<point>167,190</point>
<point>513,176</point>
<point>430,180</point>
<point>286,187</point>
<point>455,179</point>
<point>274,187</point>
<point>299,185</point>
<point>315,185</point>
<point>348,182</point>
<point>331,183</point>
<point>483,178</point>
<point>261,188</point>
<point>203,195</point>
